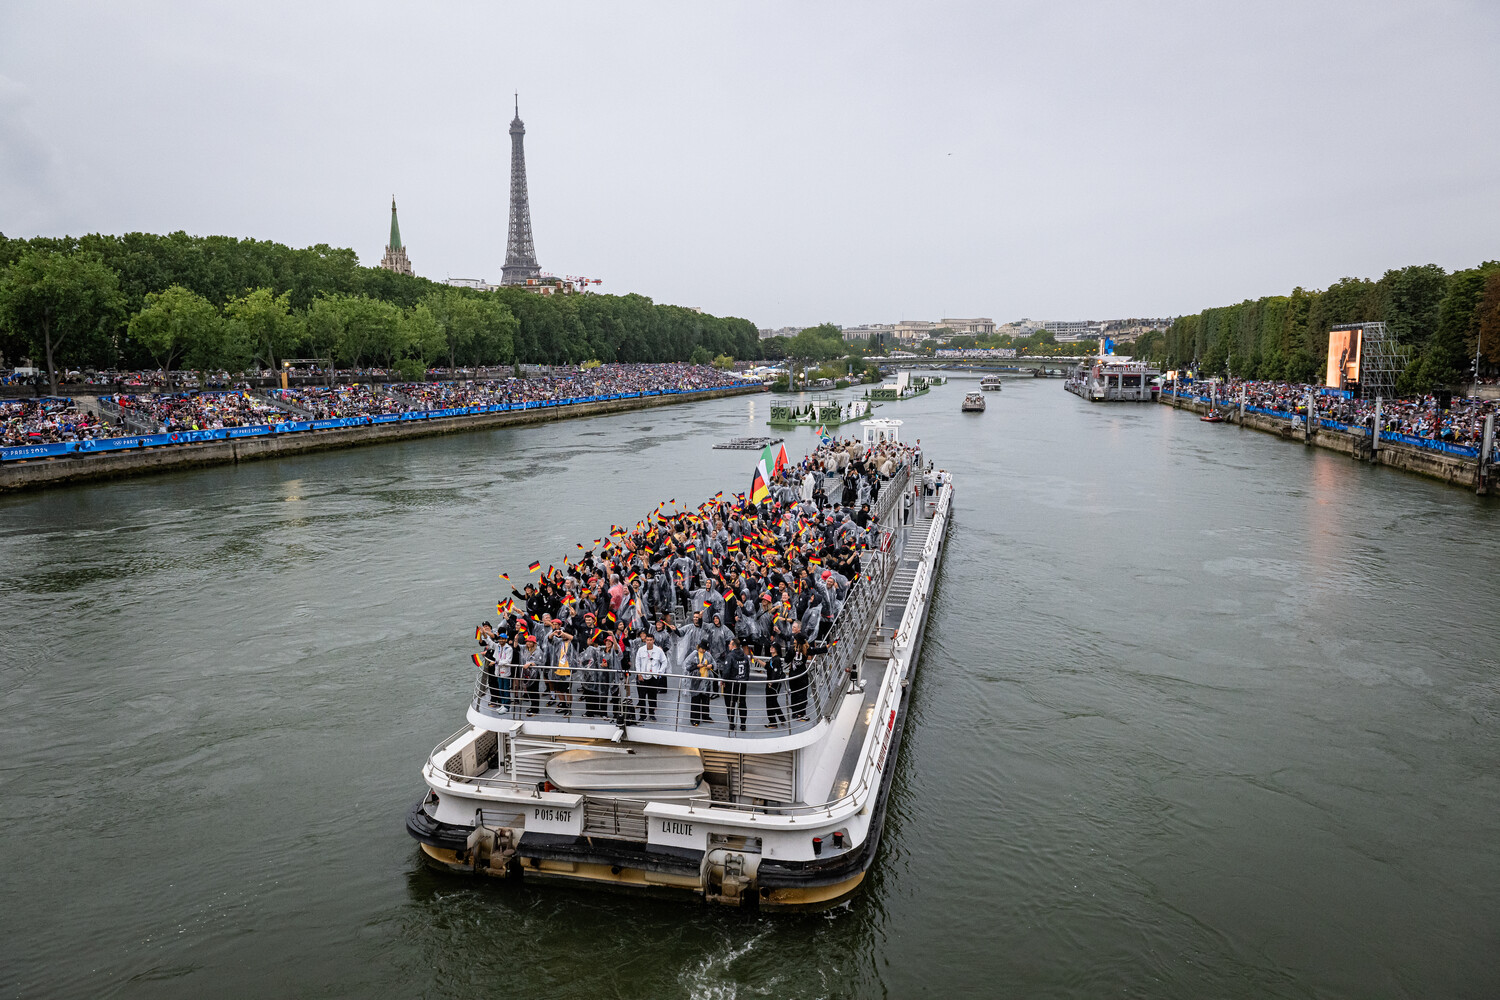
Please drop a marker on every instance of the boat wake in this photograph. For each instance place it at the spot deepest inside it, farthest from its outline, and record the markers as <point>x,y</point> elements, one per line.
<point>713,977</point>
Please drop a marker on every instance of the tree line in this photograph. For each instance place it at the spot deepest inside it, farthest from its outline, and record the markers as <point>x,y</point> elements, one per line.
<point>1438,319</point>
<point>145,301</point>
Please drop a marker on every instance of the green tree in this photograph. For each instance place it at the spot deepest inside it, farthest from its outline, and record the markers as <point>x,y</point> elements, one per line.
<point>701,356</point>
<point>1489,319</point>
<point>264,325</point>
<point>495,343</point>
<point>460,318</point>
<point>174,323</point>
<point>1449,352</point>
<point>421,336</point>
<point>1412,297</point>
<point>817,343</point>
<point>326,322</point>
<point>372,331</point>
<point>61,304</point>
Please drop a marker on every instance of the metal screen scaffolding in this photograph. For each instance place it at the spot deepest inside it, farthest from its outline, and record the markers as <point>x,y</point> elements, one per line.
<point>1381,361</point>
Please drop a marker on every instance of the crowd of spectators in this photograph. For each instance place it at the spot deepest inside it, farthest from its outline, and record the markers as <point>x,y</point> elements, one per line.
<point>50,420</point>
<point>1460,423</point>
<point>47,421</point>
<point>198,411</point>
<point>603,380</point>
<point>325,402</point>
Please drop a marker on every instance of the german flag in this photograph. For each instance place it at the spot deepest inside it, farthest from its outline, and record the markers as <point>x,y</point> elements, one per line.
<point>478,661</point>
<point>759,491</point>
<point>533,567</point>
<point>478,632</point>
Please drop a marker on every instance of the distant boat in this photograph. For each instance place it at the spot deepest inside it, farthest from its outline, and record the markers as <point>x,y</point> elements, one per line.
<point>991,383</point>
<point>1212,417</point>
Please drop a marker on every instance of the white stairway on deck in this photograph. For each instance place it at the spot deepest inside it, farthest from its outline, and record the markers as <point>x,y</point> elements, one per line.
<point>906,572</point>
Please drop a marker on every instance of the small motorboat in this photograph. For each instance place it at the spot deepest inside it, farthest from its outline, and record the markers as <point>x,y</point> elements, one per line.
<point>1212,417</point>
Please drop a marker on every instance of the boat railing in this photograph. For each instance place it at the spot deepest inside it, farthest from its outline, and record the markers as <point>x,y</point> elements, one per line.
<point>772,707</point>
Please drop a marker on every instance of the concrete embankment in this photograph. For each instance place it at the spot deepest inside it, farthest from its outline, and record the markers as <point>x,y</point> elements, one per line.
<point>1454,469</point>
<point>111,465</point>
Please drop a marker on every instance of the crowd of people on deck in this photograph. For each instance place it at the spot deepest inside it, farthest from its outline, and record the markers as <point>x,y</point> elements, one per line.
<point>1461,423</point>
<point>199,411</point>
<point>49,420</point>
<point>734,598</point>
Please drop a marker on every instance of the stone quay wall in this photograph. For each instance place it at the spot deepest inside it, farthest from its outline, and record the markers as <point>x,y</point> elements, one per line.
<point>1453,469</point>
<point>80,468</point>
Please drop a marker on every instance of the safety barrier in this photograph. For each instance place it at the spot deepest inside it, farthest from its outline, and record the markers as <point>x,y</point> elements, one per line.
<point>64,448</point>
<point>1462,451</point>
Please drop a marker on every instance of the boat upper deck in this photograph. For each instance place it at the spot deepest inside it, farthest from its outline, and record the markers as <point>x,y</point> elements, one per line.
<point>779,714</point>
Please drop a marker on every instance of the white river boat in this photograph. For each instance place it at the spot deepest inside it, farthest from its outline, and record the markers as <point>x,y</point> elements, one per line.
<point>779,814</point>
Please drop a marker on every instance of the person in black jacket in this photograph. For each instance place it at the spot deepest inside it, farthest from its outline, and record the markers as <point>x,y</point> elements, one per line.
<point>735,669</point>
<point>775,675</point>
<point>798,666</point>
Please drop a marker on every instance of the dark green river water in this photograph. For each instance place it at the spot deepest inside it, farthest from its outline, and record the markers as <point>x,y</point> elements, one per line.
<point>1200,713</point>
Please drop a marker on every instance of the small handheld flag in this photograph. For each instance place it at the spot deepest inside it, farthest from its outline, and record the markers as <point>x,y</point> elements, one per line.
<point>533,567</point>
<point>478,661</point>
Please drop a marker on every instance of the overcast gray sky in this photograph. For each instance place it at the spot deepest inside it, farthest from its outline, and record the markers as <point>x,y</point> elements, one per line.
<point>789,163</point>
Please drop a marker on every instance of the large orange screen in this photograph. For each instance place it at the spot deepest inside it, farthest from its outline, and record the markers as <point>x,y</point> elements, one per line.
<point>1343,358</point>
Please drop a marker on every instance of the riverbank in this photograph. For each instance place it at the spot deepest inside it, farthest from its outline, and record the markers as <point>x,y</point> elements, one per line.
<point>1455,470</point>
<point>85,467</point>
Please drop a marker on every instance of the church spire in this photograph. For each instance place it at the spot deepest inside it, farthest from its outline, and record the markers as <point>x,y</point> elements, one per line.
<point>395,253</point>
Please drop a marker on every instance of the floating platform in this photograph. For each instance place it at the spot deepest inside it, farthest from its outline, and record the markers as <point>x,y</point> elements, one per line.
<point>1111,378</point>
<point>818,412</point>
<point>747,444</point>
<point>906,386</point>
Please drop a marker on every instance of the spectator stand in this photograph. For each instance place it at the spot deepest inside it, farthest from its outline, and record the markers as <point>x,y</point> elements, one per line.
<point>126,418</point>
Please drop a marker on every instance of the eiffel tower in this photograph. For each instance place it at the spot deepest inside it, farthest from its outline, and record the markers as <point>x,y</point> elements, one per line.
<point>520,253</point>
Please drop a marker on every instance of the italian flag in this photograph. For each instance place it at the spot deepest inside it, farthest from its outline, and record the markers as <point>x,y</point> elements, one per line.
<point>772,460</point>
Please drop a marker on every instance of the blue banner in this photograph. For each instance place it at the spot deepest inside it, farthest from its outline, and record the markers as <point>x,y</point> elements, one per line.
<point>37,450</point>
<point>20,452</point>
